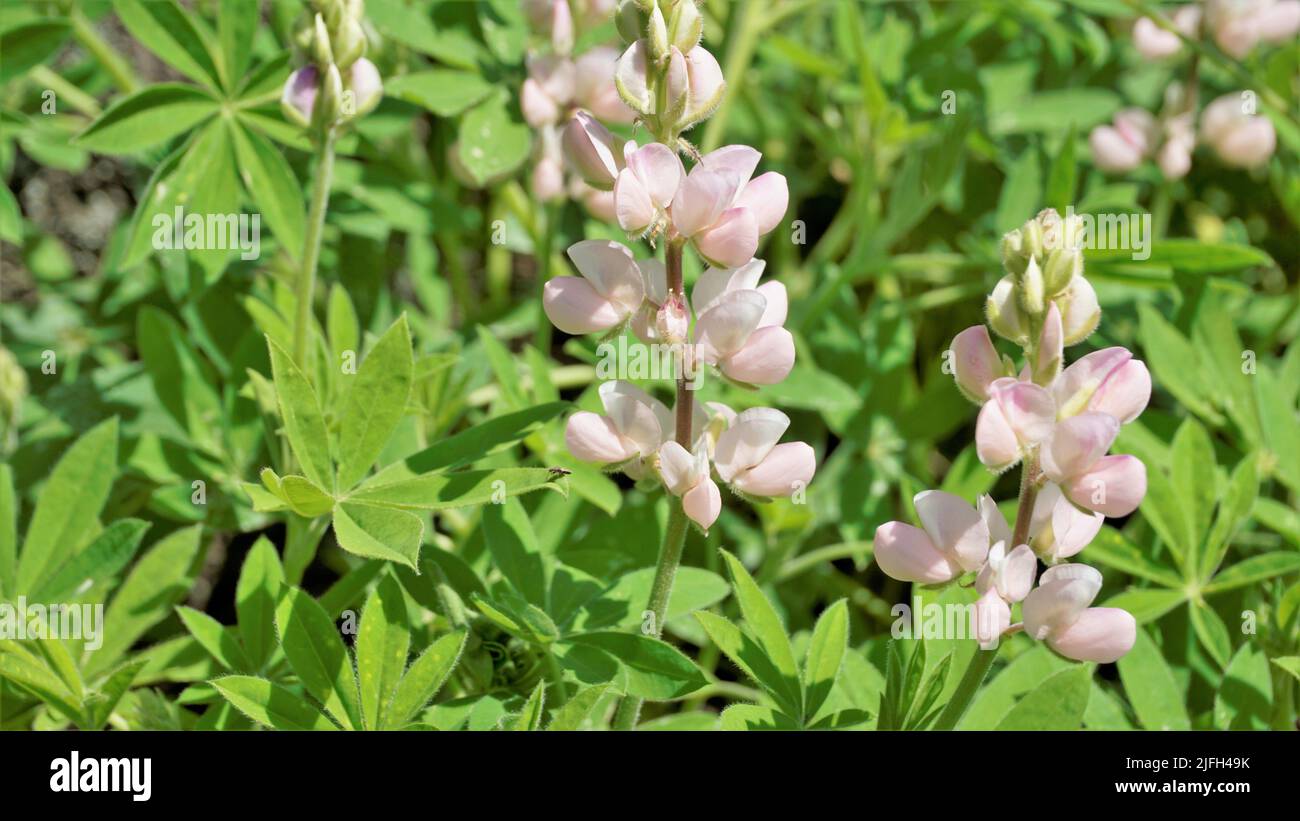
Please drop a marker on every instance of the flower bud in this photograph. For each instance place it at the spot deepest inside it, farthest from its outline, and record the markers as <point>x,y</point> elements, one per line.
<point>706,87</point>
<point>631,20</point>
<point>657,35</point>
<point>331,98</point>
<point>299,97</point>
<point>672,322</point>
<point>1004,313</point>
<point>686,25</point>
<point>1062,266</point>
<point>1047,363</point>
<point>589,148</point>
<point>975,363</point>
<point>350,43</point>
<point>1030,289</point>
<point>676,81</point>
<point>321,52</point>
<point>1080,311</point>
<point>632,79</point>
<point>561,28</point>
<point>1014,258</point>
<point>365,86</point>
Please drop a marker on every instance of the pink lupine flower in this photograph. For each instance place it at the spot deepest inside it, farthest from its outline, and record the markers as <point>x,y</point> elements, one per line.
<point>739,326</point>
<point>1121,147</point>
<point>953,539</point>
<point>1241,140</point>
<point>1154,43</point>
<point>591,152</point>
<point>975,363</point>
<point>1109,380</point>
<point>992,618</point>
<point>366,85</point>
<point>1017,417</point>
<point>646,186</point>
<point>299,97</point>
<point>634,427</point>
<point>548,90</point>
<point>687,475</point>
<point>705,85</point>
<point>1074,458</point>
<point>1008,574</point>
<point>610,290</point>
<point>1080,311</point>
<point>1058,612</point>
<point>1239,25</point>
<point>722,211</point>
<point>749,459</point>
<point>1006,317</point>
<point>1058,529</point>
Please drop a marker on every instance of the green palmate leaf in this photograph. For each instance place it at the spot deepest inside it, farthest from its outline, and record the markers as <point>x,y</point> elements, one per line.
<point>825,654</point>
<point>1056,704</point>
<point>149,116</point>
<point>1278,417</point>
<point>317,655</point>
<point>111,550</point>
<point>996,698</point>
<point>655,671</point>
<point>492,143</point>
<point>510,538</point>
<point>8,532</point>
<point>1212,633</point>
<point>108,695</point>
<point>1151,687</point>
<point>375,404</point>
<point>765,625</point>
<point>754,717</point>
<point>1234,509</point>
<point>1176,364</point>
<point>56,655</point>
<point>530,718</point>
<point>271,185</point>
<point>343,329</point>
<point>220,641</point>
<point>425,677</point>
<point>505,366</point>
<point>746,654</point>
<point>68,505</point>
<point>449,490</point>
<point>300,412</point>
<point>466,447</point>
<point>236,29</point>
<point>1245,697</point>
<point>382,644</point>
<point>157,582</point>
<point>304,498</point>
<point>29,44</point>
<point>1254,570</point>
<point>26,670</point>
<point>575,711</point>
<point>180,378</point>
<point>259,584</point>
<point>1192,472</point>
<point>174,34</point>
<point>1163,509</point>
<point>379,532</point>
<point>1113,550</point>
<point>271,705</point>
<point>442,91</point>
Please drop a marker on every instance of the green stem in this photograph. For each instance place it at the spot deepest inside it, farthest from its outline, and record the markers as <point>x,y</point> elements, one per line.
<point>306,284</point>
<point>113,63</point>
<point>1024,511</point>
<point>966,689</point>
<point>43,77</point>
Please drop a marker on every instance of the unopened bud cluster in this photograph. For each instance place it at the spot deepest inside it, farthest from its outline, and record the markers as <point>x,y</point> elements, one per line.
<point>337,83</point>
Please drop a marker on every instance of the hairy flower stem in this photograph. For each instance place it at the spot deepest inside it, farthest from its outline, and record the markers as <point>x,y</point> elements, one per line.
<point>670,555</point>
<point>305,287</point>
<point>1025,509</point>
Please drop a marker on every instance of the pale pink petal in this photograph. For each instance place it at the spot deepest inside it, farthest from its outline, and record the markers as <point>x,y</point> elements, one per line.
<point>1111,152</point>
<point>589,149</point>
<point>636,415</point>
<point>999,531</point>
<point>992,618</point>
<point>748,440</point>
<point>700,201</point>
<point>1113,486</point>
<point>611,269</point>
<point>1100,634</point>
<point>677,467</point>
<point>1125,392</point>
<point>1063,592</point>
<point>1077,444</point>
<point>706,84</point>
<point>659,170</point>
<point>632,203</point>
<point>766,358</point>
<point>575,307</point>
<point>1029,408</point>
<point>715,282</point>
<point>995,441</point>
<point>1153,42</point>
<point>739,161</point>
<point>1074,389</point>
<point>1280,21</point>
<point>703,503</point>
<point>975,362</point>
<point>630,78</point>
<point>778,304</point>
<point>723,329</point>
<point>767,197</point>
<point>731,241</point>
<point>954,526</point>
<point>591,437</point>
<point>905,553</point>
<point>1016,578</point>
<point>785,469</point>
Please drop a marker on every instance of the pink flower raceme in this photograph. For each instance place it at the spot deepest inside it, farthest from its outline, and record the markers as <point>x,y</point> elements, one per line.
<point>556,84</point>
<point>686,474</point>
<point>1077,304</point>
<point>740,324</point>
<point>1074,458</point>
<point>1239,25</point>
<point>627,436</point>
<point>1154,43</point>
<point>750,460</point>
<point>722,211</point>
<point>954,538</point>
<point>1058,612</point>
<point>1121,146</point>
<point>610,290</point>
<point>1241,139</point>
<point>694,84</point>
